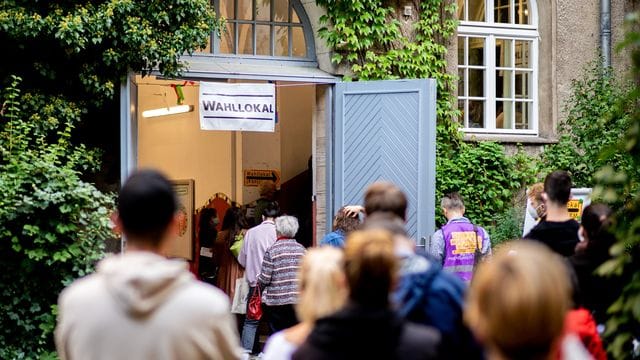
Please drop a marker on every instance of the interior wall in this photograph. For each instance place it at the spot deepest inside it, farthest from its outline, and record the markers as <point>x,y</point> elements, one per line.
<point>260,150</point>
<point>213,159</point>
<point>176,146</point>
<point>295,112</point>
<point>288,148</point>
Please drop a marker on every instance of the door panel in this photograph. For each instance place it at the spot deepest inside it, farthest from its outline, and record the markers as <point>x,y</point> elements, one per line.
<point>385,130</point>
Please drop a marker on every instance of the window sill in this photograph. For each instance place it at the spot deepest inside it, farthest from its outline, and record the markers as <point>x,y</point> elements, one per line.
<point>509,139</point>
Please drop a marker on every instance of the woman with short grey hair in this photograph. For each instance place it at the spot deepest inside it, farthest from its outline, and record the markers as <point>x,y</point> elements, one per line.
<point>287,226</point>
<point>279,276</point>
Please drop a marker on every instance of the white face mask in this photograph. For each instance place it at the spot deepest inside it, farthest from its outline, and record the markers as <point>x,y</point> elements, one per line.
<point>531,210</point>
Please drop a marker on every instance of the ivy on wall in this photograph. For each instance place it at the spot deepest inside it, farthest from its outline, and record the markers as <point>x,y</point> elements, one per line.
<point>372,43</point>
<point>368,39</point>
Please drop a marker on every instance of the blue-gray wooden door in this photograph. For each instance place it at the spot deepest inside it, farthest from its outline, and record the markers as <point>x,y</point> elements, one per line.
<point>385,130</point>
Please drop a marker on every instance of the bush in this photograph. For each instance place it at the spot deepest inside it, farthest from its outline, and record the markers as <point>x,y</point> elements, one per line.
<point>487,179</point>
<point>595,119</point>
<point>52,224</point>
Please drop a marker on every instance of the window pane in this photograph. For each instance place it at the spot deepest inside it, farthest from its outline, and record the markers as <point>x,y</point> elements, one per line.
<point>299,48</point>
<point>504,52</point>
<point>461,108</point>
<point>504,115</point>
<point>476,51</point>
<point>523,51</point>
<point>461,10</point>
<point>227,39</point>
<point>460,82</point>
<point>523,85</point>
<point>476,82</point>
<point>245,10</point>
<point>245,39</point>
<point>263,10</point>
<point>522,12</point>
<point>263,40</point>
<point>476,10</point>
<point>282,11</point>
<point>502,11</point>
<point>226,9</point>
<point>294,17</point>
<point>476,114</point>
<point>503,84</point>
<point>282,41</point>
<point>523,115</point>
<point>461,58</point>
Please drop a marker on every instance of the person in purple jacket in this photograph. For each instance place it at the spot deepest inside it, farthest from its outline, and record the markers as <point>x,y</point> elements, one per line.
<point>454,245</point>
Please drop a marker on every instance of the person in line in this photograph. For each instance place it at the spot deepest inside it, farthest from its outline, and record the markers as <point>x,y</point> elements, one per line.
<point>517,304</point>
<point>343,223</point>
<point>595,293</point>
<point>209,262</point>
<point>279,275</point>
<point>256,242</point>
<point>140,305</point>
<point>425,294</point>
<point>323,291</point>
<point>367,327</point>
<point>267,191</point>
<point>536,202</point>
<point>234,224</point>
<point>558,230</point>
<point>455,245</point>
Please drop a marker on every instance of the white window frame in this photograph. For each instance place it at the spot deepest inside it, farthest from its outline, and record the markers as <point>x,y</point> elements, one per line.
<point>490,31</point>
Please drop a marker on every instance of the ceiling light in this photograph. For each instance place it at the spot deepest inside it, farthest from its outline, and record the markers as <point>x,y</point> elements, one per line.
<point>168,111</point>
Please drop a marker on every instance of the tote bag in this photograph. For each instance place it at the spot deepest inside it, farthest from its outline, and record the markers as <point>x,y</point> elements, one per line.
<point>254,311</point>
<point>239,302</point>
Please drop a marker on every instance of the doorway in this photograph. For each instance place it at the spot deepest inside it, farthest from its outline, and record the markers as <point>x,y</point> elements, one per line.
<point>219,162</point>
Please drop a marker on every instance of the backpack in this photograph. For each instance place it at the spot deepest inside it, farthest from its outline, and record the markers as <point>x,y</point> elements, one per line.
<point>436,298</point>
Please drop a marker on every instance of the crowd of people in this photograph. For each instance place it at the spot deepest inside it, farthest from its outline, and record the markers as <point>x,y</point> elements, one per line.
<point>364,292</point>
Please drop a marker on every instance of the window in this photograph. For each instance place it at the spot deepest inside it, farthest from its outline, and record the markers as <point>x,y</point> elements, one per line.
<point>497,66</point>
<point>262,28</point>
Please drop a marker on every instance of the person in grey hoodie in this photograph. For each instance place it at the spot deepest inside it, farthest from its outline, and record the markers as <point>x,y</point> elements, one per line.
<point>140,305</point>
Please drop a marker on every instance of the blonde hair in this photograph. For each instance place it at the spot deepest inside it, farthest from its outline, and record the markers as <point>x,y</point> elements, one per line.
<point>517,301</point>
<point>322,287</point>
<point>370,267</point>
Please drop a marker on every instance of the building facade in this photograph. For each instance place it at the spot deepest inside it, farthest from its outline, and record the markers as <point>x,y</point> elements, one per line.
<point>515,60</point>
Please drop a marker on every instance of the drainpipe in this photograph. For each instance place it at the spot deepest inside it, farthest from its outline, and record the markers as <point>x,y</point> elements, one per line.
<point>605,32</point>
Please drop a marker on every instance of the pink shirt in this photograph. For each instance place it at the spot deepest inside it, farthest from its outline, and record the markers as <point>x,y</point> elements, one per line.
<point>256,242</point>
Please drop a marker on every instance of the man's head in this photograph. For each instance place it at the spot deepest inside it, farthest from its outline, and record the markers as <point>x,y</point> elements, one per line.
<point>147,207</point>
<point>271,210</point>
<point>557,187</point>
<point>452,205</point>
<point>384,196</point>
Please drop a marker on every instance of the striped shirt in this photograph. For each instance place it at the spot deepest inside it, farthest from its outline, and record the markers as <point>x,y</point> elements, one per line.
<point>279,275</point>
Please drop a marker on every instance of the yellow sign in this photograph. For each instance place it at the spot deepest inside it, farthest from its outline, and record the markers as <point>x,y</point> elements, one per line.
<point>575,209</point>
<point>465,242</point>
<point>254,177</point>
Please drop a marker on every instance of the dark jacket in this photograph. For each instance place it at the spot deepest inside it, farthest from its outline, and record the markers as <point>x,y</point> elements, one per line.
<point>594,292</point>
<point>561,237</point>
<point>368,333</point>
<point>429,296</point>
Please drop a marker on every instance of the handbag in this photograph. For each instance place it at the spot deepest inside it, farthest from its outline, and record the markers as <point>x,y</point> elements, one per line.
<point>239,302</point>
<point>254,310</point>
<point>237,245</point>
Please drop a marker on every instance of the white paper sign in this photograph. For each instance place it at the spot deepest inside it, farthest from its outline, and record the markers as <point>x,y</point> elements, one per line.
<point>243,107</point>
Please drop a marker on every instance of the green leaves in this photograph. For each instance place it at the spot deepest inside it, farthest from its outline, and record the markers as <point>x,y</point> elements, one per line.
<point>94,44</point>
<point>52,223</point>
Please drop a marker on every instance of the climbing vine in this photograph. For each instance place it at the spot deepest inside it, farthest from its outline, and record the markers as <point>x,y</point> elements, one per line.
<point>371,42</point>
